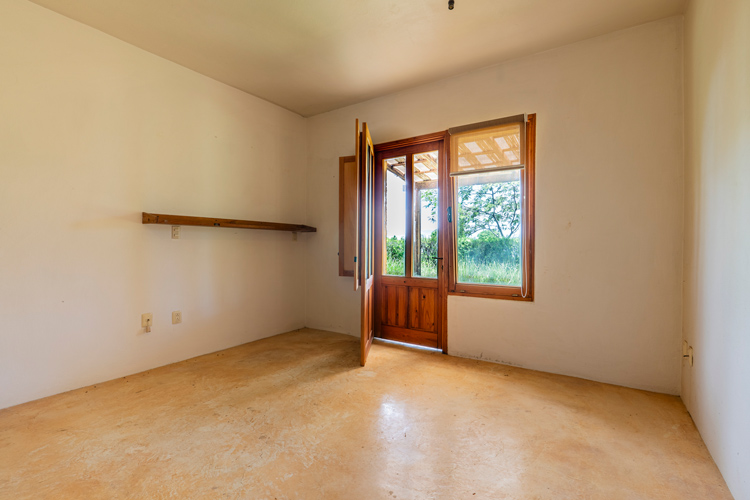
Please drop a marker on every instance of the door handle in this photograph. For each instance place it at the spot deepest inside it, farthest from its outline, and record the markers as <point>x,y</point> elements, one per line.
<point>436,258</point>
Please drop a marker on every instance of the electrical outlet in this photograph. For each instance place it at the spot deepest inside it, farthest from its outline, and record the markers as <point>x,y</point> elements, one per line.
<point>175,232</point>
<point>176,317</point>
<point>147,321</point>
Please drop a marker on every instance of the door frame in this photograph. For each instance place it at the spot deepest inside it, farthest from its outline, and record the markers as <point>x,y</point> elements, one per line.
<point>403,147</point>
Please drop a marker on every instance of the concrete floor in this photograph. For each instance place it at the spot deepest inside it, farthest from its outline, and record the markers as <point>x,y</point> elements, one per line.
<point>294,416</point>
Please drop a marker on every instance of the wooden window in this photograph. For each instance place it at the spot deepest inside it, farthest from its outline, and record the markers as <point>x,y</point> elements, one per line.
<point>492,208</point>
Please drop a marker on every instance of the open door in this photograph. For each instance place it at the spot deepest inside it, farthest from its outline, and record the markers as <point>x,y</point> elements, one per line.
<point>364,274</point>
<point>410,274</point>
<point>357,207</point>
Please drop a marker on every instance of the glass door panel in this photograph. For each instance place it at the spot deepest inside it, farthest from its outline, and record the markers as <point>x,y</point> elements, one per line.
<point>425,213</point>
<point>394,215</point>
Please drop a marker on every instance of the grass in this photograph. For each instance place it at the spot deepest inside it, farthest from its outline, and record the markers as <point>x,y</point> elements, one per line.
<point>395,267</point>
<point>495,273</point>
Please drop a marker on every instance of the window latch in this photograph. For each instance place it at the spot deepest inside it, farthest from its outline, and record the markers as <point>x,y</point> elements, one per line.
<point>450,215</point>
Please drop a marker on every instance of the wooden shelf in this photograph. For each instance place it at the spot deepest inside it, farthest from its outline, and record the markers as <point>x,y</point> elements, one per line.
<point>186,220</point>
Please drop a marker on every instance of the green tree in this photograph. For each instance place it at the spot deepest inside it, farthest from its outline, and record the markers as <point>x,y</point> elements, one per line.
<point>491,207</point>
<point>489,222</point>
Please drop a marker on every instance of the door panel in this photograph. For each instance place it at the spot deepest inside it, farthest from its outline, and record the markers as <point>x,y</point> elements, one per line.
<point>422,309</point>
<point>417,337</point>
<point>367,243</point>
<point>394,305</point>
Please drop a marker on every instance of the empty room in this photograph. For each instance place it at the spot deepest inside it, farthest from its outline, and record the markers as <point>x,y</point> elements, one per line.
<point>375,249</point>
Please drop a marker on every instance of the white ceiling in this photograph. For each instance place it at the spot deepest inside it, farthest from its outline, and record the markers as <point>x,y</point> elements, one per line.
<point>312,56</point>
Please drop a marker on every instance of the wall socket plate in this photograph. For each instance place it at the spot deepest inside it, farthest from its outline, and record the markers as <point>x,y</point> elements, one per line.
<point>175,232</point>
<point>176,317</point>
<point>147,320</point>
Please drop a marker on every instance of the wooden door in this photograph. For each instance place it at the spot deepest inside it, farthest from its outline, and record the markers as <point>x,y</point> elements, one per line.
<point>366,257</point>
<point>410,275</point>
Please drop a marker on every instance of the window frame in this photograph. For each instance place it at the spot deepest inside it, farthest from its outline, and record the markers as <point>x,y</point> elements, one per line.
<point>408,148</point>
<point>347,214</point>
<point>525,292</point>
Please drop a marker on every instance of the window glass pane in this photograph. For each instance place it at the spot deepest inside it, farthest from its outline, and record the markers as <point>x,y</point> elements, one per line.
<point>425,241</point>
<point>489,228</point>
<point>394,215</point>
<point>494,147</point>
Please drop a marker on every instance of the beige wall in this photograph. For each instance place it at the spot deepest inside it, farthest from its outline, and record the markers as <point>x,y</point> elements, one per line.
<point>716,389</point>
<point>92,132</point>
<point>609,209</point>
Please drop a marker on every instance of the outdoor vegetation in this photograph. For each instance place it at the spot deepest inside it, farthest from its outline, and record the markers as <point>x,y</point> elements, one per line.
<point>489,230</point>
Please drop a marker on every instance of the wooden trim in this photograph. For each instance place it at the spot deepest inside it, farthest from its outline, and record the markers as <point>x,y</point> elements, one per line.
<point>490,292</point>
<point>418,337</point>
<point>487,124</point>
<point>403,281</point>
<point>445,250</point>
<point>380,245</point>
<point>487,170</point>
<point>420,139</point>
<point>450,186</point>
<point>529,234</point>
<point>343,160</point>
<point>409,227</point>
<point>525,292</point>
<point>186,220</point>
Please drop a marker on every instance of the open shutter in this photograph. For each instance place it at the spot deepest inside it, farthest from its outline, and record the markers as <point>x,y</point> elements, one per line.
<point>366,258</point>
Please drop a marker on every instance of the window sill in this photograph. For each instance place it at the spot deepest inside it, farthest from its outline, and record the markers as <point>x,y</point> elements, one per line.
<point>491,292</point>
